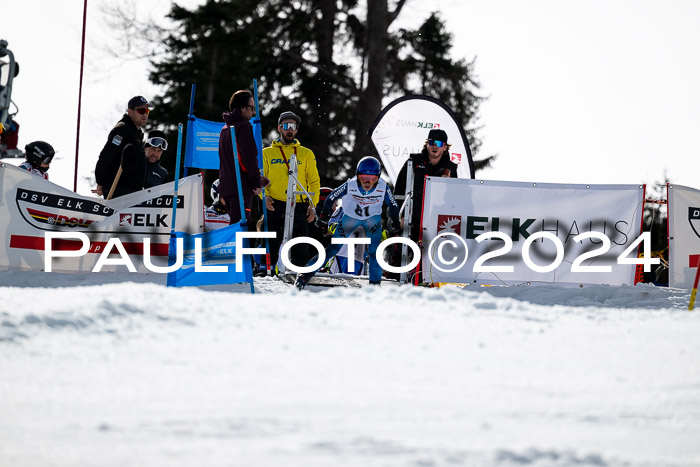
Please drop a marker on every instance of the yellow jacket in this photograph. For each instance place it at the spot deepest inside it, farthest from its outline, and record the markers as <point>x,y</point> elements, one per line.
<point>275,168</point>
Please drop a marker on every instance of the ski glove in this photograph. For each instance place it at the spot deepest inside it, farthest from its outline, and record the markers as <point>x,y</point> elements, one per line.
<point>322,226</point>
<point>394,228</point>
<point>396,232</point>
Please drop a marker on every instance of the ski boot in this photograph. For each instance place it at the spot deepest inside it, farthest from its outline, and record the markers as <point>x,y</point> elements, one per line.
<point>378,283</point>
<point>259,270</point>
<point>302,281</point>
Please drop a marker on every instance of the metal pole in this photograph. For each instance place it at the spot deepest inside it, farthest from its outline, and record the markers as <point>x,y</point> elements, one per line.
<point>190,115</point>
<point>80,99</point>
<point>257,124</point>
<point>407,217</point>
<point>240,194</point>
<point>172,244</point>
<point>177,177</point>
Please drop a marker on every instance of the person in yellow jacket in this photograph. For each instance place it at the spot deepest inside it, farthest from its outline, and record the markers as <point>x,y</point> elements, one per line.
<point>276,168</point>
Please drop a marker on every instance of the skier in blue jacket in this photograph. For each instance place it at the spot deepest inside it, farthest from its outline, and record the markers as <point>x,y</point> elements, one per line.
<point>363,197</point>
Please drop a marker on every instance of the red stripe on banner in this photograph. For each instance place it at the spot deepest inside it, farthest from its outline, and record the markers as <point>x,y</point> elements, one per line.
<point>62,220</point>
<point>693,261</point>
<point>42,214</point>
<point>37,243</point>
<point>61,244</point>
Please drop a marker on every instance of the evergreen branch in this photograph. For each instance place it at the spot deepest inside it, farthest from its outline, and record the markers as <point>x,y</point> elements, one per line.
<point>322,70</point>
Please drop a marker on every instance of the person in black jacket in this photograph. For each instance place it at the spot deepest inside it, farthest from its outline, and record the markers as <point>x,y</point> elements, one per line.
<point>154,146</point>
<point>434,161</point>
<point>124,148</point>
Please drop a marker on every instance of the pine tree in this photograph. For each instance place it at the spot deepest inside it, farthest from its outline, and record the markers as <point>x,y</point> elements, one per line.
<point>319,58</point>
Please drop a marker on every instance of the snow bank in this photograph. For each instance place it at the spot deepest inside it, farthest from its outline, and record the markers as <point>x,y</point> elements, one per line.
<point>132,374</point>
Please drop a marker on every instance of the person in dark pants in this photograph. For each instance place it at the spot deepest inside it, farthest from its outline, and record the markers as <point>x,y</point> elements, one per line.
<point>124,149</point>
<point>434,161</point>
<point>276,167</point>
<point>154,146</point>
<point>241,110</point>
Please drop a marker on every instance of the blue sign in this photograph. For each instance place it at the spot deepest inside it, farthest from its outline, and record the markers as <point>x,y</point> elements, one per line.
<point>202,149</point>
<point>218,248</point>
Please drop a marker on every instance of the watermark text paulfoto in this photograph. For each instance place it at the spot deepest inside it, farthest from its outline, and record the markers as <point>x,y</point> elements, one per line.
<point>236,252</point>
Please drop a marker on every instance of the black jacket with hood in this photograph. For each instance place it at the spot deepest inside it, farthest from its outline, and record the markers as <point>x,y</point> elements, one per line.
<point>124,146</point>
<point>422,168</point>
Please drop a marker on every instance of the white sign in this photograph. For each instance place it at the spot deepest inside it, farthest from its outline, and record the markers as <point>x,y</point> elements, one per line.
<point>531,233</point>
<point>31,206</point>
<point>684,235</point>
<point>403,126</point>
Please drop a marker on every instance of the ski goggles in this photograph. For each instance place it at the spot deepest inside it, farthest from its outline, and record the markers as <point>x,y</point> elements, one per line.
<point>142,110</point>
<point>289,126</point>
<point>435,142</point>
<point>368,178</point>
<point>158,142</point>
<point>47,159</point>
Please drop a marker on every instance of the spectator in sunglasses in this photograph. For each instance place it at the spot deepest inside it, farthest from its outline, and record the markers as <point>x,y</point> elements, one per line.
<point>154,146</point>
<point>241,110</point>
<point>434,161</point>
<point>276,167</point>
<point>124,148</point>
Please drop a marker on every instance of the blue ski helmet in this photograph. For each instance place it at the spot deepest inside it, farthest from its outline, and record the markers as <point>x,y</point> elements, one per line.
<point>369,166</point>
<point>215,191</point>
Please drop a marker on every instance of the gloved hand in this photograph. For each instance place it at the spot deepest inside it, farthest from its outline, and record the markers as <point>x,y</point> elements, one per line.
<point>394,228</point>
<point>396,232</point>
<point>322,226</point>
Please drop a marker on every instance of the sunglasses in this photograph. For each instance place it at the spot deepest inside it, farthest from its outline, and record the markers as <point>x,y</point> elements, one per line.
<point>368,178</point>
<point>143,110</point>
<point>435,142</point>
<point>158,142</point>
<point>289,126</point>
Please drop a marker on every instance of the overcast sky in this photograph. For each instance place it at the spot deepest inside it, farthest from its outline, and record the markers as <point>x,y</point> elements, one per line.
<point>578,92</point>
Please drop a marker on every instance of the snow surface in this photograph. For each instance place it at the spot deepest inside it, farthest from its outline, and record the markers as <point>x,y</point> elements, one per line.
<point>118,370</point>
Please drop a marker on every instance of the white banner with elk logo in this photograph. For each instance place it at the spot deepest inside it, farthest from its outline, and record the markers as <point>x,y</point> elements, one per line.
<point>31,206</point>
<point>538,226</point>
<point>684,235</point>
<point>403,125</point>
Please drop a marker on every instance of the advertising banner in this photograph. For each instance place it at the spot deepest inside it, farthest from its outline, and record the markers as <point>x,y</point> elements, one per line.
<point>402,127</point>
<point>218,248</point>
<point>202,147</point>
<point>31,206</point>
<point>537,225</point>
<point>684,235</point>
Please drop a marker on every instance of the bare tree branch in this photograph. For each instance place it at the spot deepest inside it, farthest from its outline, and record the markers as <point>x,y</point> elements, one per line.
<point>394,14</point>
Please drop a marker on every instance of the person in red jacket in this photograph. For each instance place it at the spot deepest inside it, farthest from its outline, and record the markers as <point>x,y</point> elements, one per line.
<point>241,110</point>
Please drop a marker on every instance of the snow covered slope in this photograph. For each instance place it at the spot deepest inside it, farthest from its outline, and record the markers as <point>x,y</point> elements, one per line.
<point>99,371</point>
